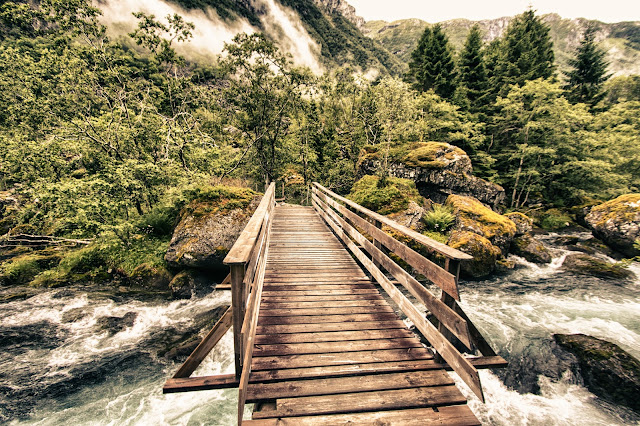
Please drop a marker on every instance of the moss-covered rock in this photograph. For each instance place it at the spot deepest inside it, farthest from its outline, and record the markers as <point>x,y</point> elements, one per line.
<point>484,253</point>
<point>617,223</point>
<point>524,224</point>
<point>385,197</point>
<point>438,169</point>
<point>531,249</point>
<point>583,264</point>
<point>209,226</point>
<point>150,276</point>
<point>23,269</point>
<point>607,370</point>
<point>473,216</point>
<point>410,217</point>
<point>189,282</point>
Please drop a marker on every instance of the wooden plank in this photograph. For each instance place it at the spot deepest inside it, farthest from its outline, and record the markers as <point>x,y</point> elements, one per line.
<point>445,314</point>
<point>329,347</point>
<point>188,384</point>
<point>282,297</point>
<point>352,384</point>
<point>322,304</point>
<point>365,401</point>
<point>460,365</point>
<point>335,336</point>
<point>454,415</point>
<point>202,350</point>
<point>372,309</point>
<point>319,292</point>
<point>339,358</point>
<point>422,239</point>
<point>433,272</point>
<point>315,319</point>
<point>319,327</point>
<point>343,370</point>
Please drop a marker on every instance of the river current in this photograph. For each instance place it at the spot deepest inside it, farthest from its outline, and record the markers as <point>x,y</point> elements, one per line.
<point>58,366</point>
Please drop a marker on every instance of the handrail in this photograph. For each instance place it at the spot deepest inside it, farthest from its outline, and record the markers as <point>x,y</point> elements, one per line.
<point>429,243</point>
<point>345,223</point>
<point>247,259</point>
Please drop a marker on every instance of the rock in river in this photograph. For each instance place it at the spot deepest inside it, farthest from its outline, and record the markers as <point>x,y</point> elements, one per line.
<point>617,223</point>
<point>607,370</point>
<point>583,264</point>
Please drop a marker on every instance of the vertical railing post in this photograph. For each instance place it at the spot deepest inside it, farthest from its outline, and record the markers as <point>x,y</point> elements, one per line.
<point>453,267</point>
<point>377,243</point>
<point>238,307</point>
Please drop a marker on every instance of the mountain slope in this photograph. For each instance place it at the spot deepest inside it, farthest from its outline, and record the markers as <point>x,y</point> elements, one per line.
<point>620,40</point>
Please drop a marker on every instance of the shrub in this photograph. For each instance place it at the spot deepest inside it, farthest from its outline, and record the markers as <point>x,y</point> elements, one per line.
<point>440,218</point>
<point>555,219</point>
<point>384,199</point>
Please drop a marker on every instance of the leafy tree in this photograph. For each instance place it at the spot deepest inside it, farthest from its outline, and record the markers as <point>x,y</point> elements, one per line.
<point>432,65</point>
<point>474,80</point>
<point>588,71</point>
<point>622,89</point>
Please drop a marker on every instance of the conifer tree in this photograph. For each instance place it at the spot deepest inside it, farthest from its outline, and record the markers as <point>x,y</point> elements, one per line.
<point>432,65</point>
<point>526,53</point>
<point>472,70</point>
<point>589,71</point>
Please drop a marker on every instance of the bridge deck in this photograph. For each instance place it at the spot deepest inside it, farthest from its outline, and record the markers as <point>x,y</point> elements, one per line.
<point>329,349</point>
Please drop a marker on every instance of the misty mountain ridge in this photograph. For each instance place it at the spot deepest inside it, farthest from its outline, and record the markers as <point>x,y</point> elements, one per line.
<point>620,40</point>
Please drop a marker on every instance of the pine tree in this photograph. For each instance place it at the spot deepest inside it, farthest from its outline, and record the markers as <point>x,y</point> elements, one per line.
<point>473,72</point>
<point>588,73</point>
<point>432,65</point>
<point>526,53</point>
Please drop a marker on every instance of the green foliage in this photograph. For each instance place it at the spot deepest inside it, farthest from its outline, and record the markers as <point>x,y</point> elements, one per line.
<point>554,219</point>
<point>474,81</point>
<point>622,89</point>
<point>440,218</point>
<point>386,196</point>
<point>432,65</point>
<point>588,73</point>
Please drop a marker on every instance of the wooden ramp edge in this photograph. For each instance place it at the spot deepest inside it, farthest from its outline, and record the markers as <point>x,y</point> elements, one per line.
<point>329,349</point>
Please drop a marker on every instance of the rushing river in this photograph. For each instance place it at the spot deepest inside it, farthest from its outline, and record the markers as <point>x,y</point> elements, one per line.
<point>60,365</point>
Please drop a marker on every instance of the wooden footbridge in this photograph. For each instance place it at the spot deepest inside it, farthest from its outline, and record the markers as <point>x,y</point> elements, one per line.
<point>318,301</point>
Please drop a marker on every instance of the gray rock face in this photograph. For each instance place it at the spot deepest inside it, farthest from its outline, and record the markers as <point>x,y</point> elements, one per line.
<point>617,223</point>
<point>447,171</point>
<point>583,264</point>
<point>410,217</point>
<point>203,240</point>
<point>607,370</point>
<point>343,8</point>
<point>524,224</point>
<point>188,282</point>
<point>531,249</point>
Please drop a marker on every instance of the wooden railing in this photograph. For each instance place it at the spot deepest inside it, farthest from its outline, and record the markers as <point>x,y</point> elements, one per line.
<point>350,220</point>
<point>247,260</point>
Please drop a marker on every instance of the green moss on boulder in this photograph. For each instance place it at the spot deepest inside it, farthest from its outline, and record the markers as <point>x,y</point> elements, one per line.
<point>583,264</point>
<point>524,224</point>
<point>473,216</point>
<point>617,223</point>
<point>531,249</point>
<point>484,253</point>
<point>387,197</point>
<point>151,276</point>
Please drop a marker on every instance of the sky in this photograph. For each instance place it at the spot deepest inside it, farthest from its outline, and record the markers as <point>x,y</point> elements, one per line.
<point>439,10</point>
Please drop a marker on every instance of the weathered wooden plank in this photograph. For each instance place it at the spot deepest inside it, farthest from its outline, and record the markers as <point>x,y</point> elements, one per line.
<point>316,327</point>
<point>205,346</point>
<point>327,287</point>
<point>280,297</point>
<point>322,304</point>
<point>188,384</point>
<point>329,347</point>
<point>338,358</point>
<point>335,336</point>
<point>320,292</point>
<point>343,310</point>
<point>454,415</point>
<point>338,385</point>
<point>314,319</point>
<point>365,401</point>
<point>342,370</point>
<point>460,365</point>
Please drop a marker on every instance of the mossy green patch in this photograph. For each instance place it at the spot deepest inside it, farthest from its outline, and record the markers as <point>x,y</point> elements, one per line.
<point>387,197</point>
<point>474,215</point>
<point>211,199</point>
<point>625,208</point>
<point>427,155</point>
<point>484,253</point>
<point>554,219</point>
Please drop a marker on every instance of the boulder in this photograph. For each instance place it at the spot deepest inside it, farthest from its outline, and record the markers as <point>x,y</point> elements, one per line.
<point>617,223</point>
<point>149,276</point>
<point>188,282</point>
<point>473,216</point>
<point>206,232</point>
<point>531,249</point>
<point>411,217</point>
<point>438,169</point>
<point>524,224</point>
<point>116,324</point>
<point>583,264</point>
<point>484,253</point>
<point>607,370</point>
